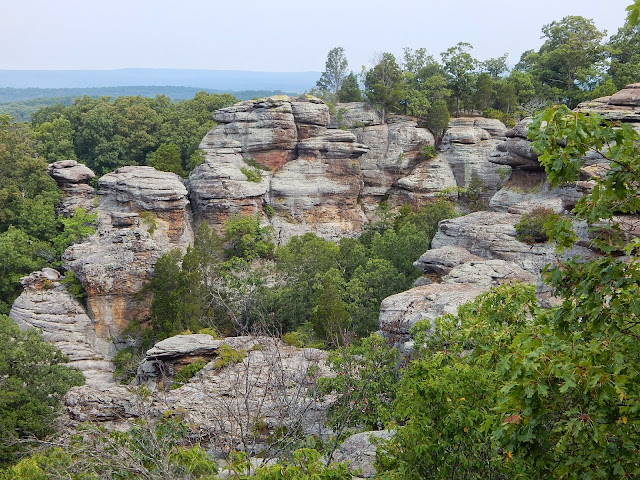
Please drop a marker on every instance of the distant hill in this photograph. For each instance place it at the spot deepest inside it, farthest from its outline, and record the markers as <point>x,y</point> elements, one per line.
<point>223,80</point>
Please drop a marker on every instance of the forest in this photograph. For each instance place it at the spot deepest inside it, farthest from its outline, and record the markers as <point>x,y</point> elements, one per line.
<point>504,389</point>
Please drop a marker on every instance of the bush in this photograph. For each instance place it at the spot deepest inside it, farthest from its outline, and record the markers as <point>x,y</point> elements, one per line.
<point>126,362</point>
<point>184,374</point>
<point>533,226</point>
<point>229,356</point>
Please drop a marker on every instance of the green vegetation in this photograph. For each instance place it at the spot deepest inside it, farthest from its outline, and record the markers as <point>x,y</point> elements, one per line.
<point>252,174</point>
<point>533,226</point>
<point>228,356</point>
<point>34,380</point>
<point>187,372</point>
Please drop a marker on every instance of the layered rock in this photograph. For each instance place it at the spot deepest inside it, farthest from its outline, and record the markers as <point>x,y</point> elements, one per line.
<point>466,147</point>
<point>142,214</point>
<point>279,152</point>
<point>235,404</point>
<point>73,180</point>
<point>47,305</point>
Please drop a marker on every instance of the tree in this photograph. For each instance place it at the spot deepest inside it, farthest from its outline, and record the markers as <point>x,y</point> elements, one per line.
<point>623,49</point>
<point>166,158</point>
<point>383,84</point>
<point>350,90</point>
<point>569,56</point>
<point>495,66</point>
<point>335,71</point>
<point>447,393</point>
<point>570,401</point>
<point>460,66</point>
<point>34,380</point>
<point>438,119</point>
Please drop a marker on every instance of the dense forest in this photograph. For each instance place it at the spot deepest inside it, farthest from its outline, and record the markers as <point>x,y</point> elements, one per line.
<point>503,389</point>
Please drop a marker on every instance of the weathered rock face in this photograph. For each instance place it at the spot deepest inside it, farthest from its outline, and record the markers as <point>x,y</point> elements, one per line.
<point>623,105</point>
<point>47,305</point>
<point>279,152</point>
<point>142,214</point>
<point>72,178</point>
<point>227,401</point>
<point>466,147</point>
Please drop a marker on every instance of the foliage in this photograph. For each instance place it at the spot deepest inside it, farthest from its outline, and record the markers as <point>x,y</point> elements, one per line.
<point>166,158</point>
<point>459,66</point>
<point>335,71</point>
<point>246,239</point>
<point>305,464</point>
<point>252,174</point>
<point>75,229</point>
<point>126,363</point>
<point>569,404</point>
<point>73,285</point>
<point>34,380</point>
<point>448,391</point>
<point>159,450</point>
<point>228,356</point>
<point>364,384</point>
<point>427,152</point>
<point>293,339</point>
<point>350,90</point>
<point>383,84</point>
<point>532,227</point>
<point>187,372</point>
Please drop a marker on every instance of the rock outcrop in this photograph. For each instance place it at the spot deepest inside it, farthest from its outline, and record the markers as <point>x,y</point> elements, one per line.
<point>359,451</point>
<point>235,403</point>
<point>276,158</point>
<point>73,179</point>
<point>46,304</point>
<point>142,214</point>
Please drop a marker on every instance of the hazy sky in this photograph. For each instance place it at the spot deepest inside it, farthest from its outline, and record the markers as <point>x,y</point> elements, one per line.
<point>280,35</point>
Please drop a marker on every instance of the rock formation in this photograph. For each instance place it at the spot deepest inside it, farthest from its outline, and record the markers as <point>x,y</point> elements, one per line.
<point>47,305</point>
<point>142,214</point>
<point>72,178</point>
<point>235,404</point>
<point>301,169</point>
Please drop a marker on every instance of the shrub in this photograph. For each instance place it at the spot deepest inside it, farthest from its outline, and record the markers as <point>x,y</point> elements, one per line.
<point>229,356</point>
<point>427,152</point>
<point>126,362</point>
<point>252,174</point>
<point>184,374</point>
<point>293,339</point>
<point>533,226</point>
<point>73,285</point>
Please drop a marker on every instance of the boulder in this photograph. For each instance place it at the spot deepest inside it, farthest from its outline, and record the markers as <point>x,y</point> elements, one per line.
<point>488,273</point>
<point>440,261</point>
<point>72,178</point>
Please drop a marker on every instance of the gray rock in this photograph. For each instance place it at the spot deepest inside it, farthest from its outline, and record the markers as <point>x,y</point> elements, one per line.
<point>359,451</point>
<point>47,305</point>
<point>488,273</point>
<point>70,172</point>
<point>441,261</point>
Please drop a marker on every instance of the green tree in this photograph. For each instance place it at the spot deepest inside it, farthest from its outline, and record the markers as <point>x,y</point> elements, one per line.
<point>34,380</point>
<point>437,119</point>
<point>460,67</point>
<point>166,158</point>
<point>246,239</point>
<point>54,140</point>
<point>570,401</point>
<point>383,85</point>
<point>350,90</point>
<point>623,50</point>
<point>447,393</point>
<point>335,71</point>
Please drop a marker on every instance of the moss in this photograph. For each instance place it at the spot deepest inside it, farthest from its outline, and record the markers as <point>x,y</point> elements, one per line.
<point>149,221</point>
<point>252,174</point>
<point>229,356</point>
<point>184,374</point>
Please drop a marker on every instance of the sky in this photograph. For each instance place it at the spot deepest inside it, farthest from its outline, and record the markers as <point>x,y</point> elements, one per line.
<point>271,35</point>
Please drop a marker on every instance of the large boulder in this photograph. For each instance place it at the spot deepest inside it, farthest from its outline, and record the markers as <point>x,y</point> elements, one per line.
<point>359,451</point>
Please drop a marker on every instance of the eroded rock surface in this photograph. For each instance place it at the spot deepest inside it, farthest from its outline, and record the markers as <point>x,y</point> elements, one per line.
<point>236,405</point>
<point>142,214</point>
<point>359,451</point>
<point>73,179</point>
<point>47,305</point>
